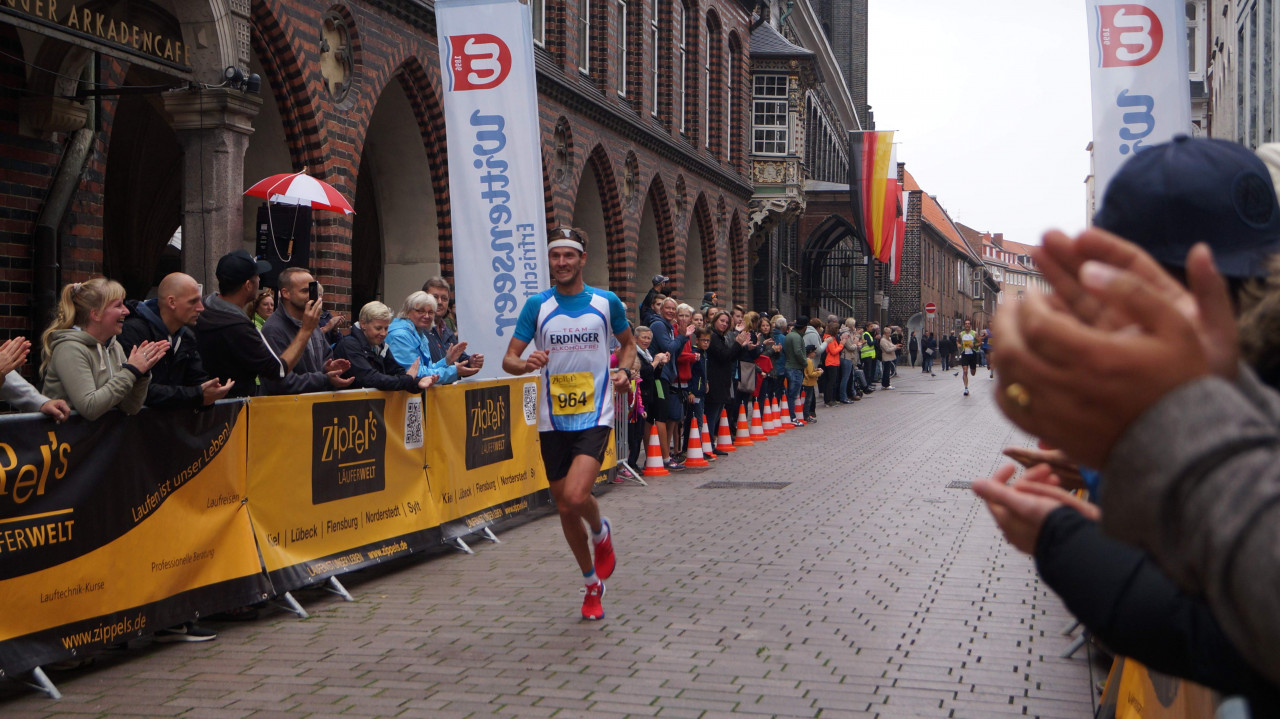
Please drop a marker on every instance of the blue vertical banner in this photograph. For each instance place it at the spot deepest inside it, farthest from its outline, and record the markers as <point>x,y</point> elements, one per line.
<point>1139,78</point>
<point>498,211</point>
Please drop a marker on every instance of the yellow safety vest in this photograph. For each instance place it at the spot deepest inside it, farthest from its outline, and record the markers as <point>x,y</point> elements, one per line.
<point>868,346</point>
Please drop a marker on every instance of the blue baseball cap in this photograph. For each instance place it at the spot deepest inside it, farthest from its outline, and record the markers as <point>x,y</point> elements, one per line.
<point>1171,196</point>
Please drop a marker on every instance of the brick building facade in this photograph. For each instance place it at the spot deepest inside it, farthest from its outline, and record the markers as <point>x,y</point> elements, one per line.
<point>103,162</point>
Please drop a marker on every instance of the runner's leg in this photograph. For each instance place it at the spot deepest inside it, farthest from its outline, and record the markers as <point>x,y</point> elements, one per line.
<point>575,504</point>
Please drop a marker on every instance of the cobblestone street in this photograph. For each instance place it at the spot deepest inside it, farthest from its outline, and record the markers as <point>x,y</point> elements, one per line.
<point>865,587</point>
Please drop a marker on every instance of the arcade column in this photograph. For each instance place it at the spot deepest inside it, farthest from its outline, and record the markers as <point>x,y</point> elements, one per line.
<point>213,125</point>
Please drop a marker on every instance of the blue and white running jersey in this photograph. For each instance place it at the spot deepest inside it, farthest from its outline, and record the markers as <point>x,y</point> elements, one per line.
<point>574,330</point>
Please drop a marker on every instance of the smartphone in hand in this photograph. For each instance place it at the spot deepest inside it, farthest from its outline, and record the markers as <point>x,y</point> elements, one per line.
<point>313,290</point>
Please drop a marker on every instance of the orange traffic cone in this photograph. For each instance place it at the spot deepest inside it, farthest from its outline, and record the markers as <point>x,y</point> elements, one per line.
<point>757,426</point>
<point>779,419</point>
<point>694,457</point>
<point>800,409</point>
<point>743,436</point>
<point>707,450</point>
<point>724,439</point>
<point>653,464</point>
<point>786,415</point>
<point>770,420</point>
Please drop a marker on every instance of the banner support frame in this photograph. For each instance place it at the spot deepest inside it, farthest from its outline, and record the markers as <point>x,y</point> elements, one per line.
<point>489,535</point>
<point>289,604</point>
<point>461,545</point>
<point>41,683</point>
<point>335,587</point>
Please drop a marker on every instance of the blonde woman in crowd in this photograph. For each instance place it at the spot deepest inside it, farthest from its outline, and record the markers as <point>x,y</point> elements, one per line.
<point>83,363</point>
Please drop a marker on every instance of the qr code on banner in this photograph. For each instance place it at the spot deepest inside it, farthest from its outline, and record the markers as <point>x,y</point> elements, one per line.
<point>530,402</point>
<point>413,423</point>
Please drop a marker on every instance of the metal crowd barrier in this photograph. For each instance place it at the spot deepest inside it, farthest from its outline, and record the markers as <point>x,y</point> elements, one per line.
<point>621,437</point>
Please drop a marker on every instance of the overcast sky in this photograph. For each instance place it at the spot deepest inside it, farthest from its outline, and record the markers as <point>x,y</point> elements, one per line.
<point>990,101</point>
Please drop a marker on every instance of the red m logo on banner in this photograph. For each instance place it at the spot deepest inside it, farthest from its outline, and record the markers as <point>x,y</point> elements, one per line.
<point>1128,35</point>
<point>478,62</point>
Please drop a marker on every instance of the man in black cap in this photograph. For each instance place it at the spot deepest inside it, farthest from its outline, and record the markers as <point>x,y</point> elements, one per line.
<point>231,347</point>
<point>648,313</point>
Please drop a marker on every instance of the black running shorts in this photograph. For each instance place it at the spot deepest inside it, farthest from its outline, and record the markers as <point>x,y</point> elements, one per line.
<point>969,360</point>
<point>560,448</point>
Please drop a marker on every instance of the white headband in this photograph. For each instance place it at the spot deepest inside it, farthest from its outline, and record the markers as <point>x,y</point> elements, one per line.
<point>570,243</point>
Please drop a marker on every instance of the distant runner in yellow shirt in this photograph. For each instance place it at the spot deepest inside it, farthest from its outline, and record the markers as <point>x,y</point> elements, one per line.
<point>968,354</point>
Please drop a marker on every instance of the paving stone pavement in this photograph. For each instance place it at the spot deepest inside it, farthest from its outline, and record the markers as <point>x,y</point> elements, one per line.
<point>864,588</point>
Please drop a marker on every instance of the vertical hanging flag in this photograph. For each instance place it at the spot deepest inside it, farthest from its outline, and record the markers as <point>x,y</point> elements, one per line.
<point>892,216</point>
<point>870,157</point>
<point>498,211</point>
<point>1141,92</point>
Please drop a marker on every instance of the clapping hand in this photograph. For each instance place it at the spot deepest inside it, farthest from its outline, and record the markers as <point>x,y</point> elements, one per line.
<point>426,382</point>
<point>145,355</point>
<point>455,352</point>
<point>214,390</point>
<point>13,354</point>
<point>334,368</point>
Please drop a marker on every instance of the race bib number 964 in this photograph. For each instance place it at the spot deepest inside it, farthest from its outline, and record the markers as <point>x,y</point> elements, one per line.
<point>573,393</point>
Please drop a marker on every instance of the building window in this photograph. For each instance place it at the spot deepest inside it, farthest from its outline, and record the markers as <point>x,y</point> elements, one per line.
<point>680,29</point>
<point>1197,53</point>
<point>538,10</point>
<point>620,67</point>
<point>769,115</point>
<point>584,36</point>
<point>655,44</point>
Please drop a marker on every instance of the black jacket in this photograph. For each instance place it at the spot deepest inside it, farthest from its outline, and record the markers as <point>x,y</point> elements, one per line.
<point>371,368</point>
<point>721,356</point>
<point>1119,593</point>
<point>176,378</point>
<point>232,348</point>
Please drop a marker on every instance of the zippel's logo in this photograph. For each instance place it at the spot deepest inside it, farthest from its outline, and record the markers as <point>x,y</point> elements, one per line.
<point>478,62</point>
<point>1128,35</point>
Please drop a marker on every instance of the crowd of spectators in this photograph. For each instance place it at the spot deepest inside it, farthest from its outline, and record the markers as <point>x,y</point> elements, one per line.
<point>712,364</point>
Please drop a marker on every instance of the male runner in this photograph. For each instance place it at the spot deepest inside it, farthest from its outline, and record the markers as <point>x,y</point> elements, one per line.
<point>571,324</point>
<point>968,354</point>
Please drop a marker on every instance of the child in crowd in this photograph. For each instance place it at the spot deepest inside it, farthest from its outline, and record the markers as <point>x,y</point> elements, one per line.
<point>698,374</point>
<point>811,374</point>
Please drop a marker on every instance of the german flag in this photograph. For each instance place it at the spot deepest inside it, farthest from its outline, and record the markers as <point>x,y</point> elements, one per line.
<point>874,190</point>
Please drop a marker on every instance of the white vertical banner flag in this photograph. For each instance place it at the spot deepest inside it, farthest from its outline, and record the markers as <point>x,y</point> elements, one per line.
<point>1141,89</point>
<point>497,207</point>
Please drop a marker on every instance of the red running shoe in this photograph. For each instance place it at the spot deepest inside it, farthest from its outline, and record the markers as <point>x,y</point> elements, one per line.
<point>605,560</point>
<point>591,608</point>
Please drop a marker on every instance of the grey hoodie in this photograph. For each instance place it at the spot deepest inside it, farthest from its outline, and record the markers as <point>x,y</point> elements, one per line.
<point>90,376</point>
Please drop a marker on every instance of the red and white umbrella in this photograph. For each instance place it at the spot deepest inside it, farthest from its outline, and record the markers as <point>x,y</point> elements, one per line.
<point>299,188</point>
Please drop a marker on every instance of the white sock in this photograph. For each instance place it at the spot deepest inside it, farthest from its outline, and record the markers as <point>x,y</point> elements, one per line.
<point>590,578</point>
<point>600,537</point>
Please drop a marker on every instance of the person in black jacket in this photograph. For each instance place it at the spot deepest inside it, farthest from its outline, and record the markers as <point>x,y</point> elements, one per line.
<point>179,378</point>
<point>230,346</point>
<point>722,356</point>
<point>372,364</point>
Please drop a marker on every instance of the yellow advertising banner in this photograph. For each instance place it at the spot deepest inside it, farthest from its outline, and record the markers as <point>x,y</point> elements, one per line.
<point>1141,693</point>
<point>336,482</point>
<point>105,536</point>
<point>483,460</point>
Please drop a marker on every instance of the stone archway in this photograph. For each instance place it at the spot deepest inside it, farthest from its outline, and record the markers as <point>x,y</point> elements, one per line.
<point>830,264</point>
<point>655,253</point>
<point>700,255</point>
<point>596,212</point>
<point>395,242</point>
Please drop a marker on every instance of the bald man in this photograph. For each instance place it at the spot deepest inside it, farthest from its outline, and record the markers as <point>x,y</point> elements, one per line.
<point>179,379</point>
